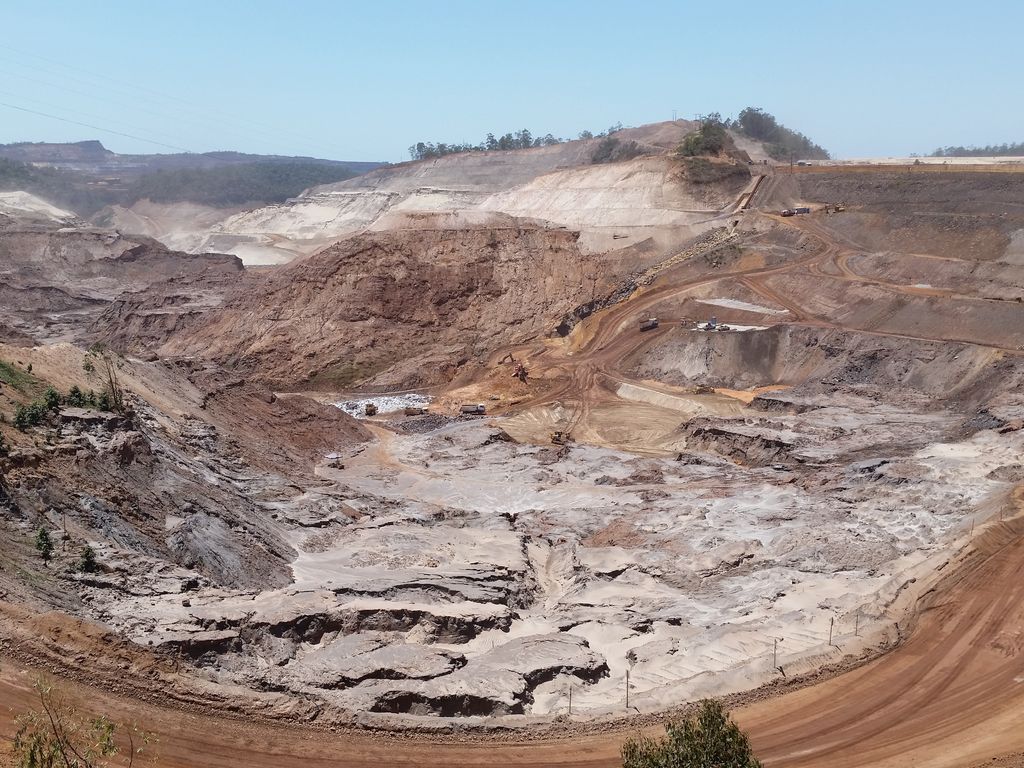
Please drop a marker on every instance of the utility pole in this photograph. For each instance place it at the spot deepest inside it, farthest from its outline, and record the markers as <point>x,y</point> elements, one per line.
<point>775,653</point>
<point>627,688</point>
<point>856,624</point>
<point>831,624</point>
<point>570,699</point>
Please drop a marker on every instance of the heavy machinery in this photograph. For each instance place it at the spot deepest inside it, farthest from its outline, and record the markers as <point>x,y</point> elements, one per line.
<point>559,437</point>
<point>370,409</point>
<point>518,369</point>
<point>649,324</point>
<point>413,410</point>
<point>473,408</point>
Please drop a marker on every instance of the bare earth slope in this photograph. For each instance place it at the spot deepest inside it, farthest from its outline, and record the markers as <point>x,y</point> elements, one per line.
<point>54,279</point>
<point>407,307</point>
<point>629,201</point>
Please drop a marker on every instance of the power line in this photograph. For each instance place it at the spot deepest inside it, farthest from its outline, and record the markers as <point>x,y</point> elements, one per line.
<point>91,116</point>
<point>94,127</point>
<point>221,119</point>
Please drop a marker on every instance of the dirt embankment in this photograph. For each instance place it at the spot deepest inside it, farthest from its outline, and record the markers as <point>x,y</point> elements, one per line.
<point>187,483</point>
<point>393,308</point>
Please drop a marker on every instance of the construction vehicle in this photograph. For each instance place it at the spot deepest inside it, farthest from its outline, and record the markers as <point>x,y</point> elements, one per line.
<point>649,324</point>
<point>370,409</point>
<point>713,324</point>
<point>788,212</point>
<point>518,370</point>
<point>473,408</point>
<point>413,410</point>
<point>559,437</point>
<point>803,209</point>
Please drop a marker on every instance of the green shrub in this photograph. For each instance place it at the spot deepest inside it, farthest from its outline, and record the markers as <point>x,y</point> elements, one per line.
<point>51,399</point>
<point>87,563</point>
<point>706,739</point>
<point>44,544</point>
<point>31,415</point>
<point>76,397</point>
<point>57,735</point>
<point>708,140</point>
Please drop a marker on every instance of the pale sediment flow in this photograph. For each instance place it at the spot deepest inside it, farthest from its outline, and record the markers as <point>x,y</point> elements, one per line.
<point>383,403</point>
<point>501,575</point>
<point>25,204</point>
<point>745,306</point>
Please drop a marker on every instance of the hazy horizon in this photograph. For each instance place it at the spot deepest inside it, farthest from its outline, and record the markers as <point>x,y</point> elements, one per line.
<point>363,83</point>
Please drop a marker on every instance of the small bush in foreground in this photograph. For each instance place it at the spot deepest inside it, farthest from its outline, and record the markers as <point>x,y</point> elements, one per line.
<point>706,739</point>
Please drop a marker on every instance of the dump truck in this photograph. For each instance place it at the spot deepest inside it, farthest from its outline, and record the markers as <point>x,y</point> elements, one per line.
<point>476,408</point>
<point>412,410</point>
<point>649,324</point>
<point>788,212</point>
<point>803,209</point>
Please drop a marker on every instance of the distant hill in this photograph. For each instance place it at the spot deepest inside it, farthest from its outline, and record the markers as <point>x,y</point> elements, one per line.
<point>85,176</point>
<point>43,152</point>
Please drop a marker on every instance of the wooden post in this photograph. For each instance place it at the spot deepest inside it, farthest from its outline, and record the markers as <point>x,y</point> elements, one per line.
<point>775,653</point>
<point>627,688</point>
<point>570,699</point>
<point>856,625</point>
<point>831,624</point>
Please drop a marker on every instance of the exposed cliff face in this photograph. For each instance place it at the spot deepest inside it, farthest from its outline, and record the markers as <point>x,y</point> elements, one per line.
<point>54,279</point>
<point>403,307</point>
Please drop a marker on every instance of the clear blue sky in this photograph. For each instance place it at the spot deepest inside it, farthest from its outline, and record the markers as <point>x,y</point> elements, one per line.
<point>363,80</point>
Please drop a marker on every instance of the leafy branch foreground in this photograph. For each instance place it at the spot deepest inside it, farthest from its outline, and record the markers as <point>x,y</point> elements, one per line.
<point>57,735</point>
<point>706,739</point>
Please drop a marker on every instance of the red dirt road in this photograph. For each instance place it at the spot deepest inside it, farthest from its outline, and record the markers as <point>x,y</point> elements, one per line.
<point>952,695</point>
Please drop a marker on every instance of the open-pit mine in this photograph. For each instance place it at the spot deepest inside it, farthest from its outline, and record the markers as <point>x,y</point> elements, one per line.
<point>514,453</point>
